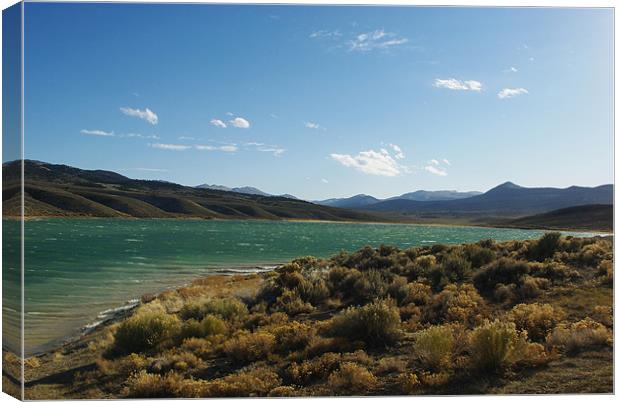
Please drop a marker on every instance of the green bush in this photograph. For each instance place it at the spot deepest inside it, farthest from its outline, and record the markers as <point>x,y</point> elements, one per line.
<point>351,379</point>
<point>504,271</point>
<point>478,255</point>
<point>456,303</point>
<point>228,309</point>
<point>586,334</point>
<point>145,385</point>
<point>544,247</point>
<point>496,345</point>
<point>537,319</point>
<point>377,323</point>
<point>247,347</point>
<point>434,346</point>
<point>145,330</point>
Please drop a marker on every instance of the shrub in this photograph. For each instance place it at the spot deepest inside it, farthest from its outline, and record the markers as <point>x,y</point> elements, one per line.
<point>377,323</point>
<point>283,391</point>
<point>371,285</point>
<point>537,319</point>
<point>434,346</point>
<point>456,267</point>
<point>544,247</point>
<point>351,379</point>
<point>478,255</point>
<point>419,293</point>
<point>456,303</point>
<point>291,303</point>
<point>145,385</point>
<point>293,335</point>
<point>228,309</point>
<point>606,272</point>
<point>504,271</point>
<point>175,359</point>
<point>210,325</point>
<point>496,345</point>
<point>145,330</point>
<point>586,334</point>
<point>318,368</point>
<point>387,365</point>
<point>408,383</point>
<point>247,347</point>
<point>253,383</point>
<point>555,272</point>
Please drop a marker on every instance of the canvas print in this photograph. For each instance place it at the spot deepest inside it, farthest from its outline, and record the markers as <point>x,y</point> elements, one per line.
<point>208,201</point>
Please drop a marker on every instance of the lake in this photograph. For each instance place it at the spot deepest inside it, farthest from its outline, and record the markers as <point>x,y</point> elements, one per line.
<point>79,270</point>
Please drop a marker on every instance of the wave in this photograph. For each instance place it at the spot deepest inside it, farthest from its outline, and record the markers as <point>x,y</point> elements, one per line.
<point>110,314</point>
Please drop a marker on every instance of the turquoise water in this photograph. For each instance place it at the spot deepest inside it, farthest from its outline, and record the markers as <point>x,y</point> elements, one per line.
<point>78,268</point>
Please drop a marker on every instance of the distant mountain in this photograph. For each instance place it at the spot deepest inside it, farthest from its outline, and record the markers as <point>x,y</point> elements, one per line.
<point>507,199</point>
<point>442,195</point>
<point>583,217</point>
<point>60,190</point>
<point>363,200</point>
<point>357,201</point>
<point>244,190</point>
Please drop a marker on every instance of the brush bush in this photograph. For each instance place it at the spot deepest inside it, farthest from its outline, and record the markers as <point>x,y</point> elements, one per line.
<point>247,347</point>
<point>580,336</point>
<point>496,345</point>
<point>377,323</point>
<point>537,319</point>
<point>144,331</point>
<point>351,379</point>
<point>434,346</point>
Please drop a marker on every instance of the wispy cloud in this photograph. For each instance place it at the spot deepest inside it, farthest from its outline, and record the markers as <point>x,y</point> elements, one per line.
<point>326,34</point>
<point>398,151</point>
<point>146,114</point>
<point>434,162</point>
<point>141,136</point>
<point>447,162</point>
<point>170,147</point>
<point>275,151</point>
<point>325,181</point>
<point>185,138</point>
<point>511,69</point>
<point>436,170</point>
<point>458,85</point>
<point>379,163</point>
<point>100,133</point>
<point>373,40</point>
<point>314,126</point>
<point>218,123</point>
<point>240,122</point>
<point>511,92</point>
<point>222,148</point>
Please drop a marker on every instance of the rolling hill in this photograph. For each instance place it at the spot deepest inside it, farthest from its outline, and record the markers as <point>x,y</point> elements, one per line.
<point>586,217</point>
<point>363,200</point>
<point>60,190</point>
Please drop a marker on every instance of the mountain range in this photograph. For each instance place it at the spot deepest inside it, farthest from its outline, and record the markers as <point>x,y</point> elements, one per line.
<point>363,200</point>
<point>244,190</point>
<point>60,190</point>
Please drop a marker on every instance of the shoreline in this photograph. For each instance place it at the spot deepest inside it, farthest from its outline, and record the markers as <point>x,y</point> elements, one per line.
<point>390,222</point>
<point>121,311</point>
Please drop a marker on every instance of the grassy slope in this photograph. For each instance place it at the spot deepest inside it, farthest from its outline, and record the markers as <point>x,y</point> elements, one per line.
<point>77,371</point>
<point>584,217</point>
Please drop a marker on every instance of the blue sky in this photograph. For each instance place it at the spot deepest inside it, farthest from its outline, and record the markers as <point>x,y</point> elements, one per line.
<point>323,102</point>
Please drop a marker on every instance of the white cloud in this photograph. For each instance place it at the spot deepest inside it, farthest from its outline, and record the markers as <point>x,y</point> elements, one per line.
<point>230,114</point>
<point>458,85</point>
<point>218,123</point>
<point>141,136</point>
<point>511,92</point>
<point>314,126</point>
<point>377,39</point>
<point>434,162</point>
<point>240,122</point>
<point>378,163</point>
<point>170,147</point>
<point>223,148</point>
<point>253,144</point>
<point>100,133</point>
<point>186,138</point>
<point>511,70</point>
<point>275,151</point>
<point>325,181</point>
<point>146,114</point>
<point>325,34</point>
<point>447,162</point>
<point>436,170</point>
<point>398,151</point>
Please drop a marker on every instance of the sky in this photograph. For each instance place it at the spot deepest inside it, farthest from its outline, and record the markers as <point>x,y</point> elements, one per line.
<point>323,102</point>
